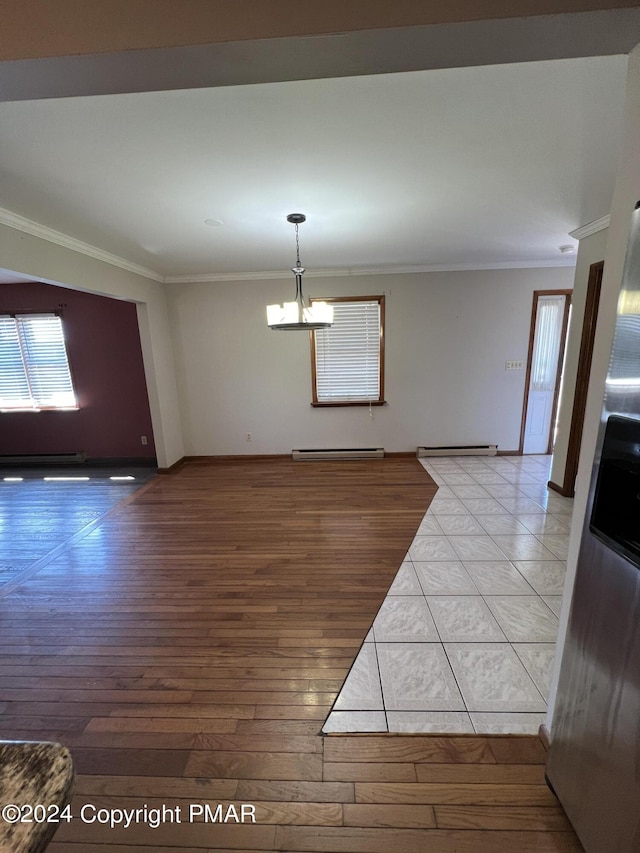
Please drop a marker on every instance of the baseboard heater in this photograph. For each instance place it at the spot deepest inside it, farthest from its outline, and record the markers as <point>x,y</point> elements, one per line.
<point>339,453</point>
<point>28,459</point>
<point>459,450</point>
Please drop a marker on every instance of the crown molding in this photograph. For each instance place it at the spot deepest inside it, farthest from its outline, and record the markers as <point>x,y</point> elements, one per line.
<point>357,271</point>
<point>590,228</point>
<point>21,223</point>
<point>28,226</point>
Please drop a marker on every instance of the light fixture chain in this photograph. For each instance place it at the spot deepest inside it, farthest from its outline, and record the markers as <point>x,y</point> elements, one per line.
<point>297,246</point>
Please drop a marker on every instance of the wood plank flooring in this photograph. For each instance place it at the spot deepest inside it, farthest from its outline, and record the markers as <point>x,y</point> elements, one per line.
<point>189,648</point>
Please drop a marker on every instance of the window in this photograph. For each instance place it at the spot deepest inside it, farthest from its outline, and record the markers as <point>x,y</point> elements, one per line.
<point>34,369</point>
<point>347,359</point>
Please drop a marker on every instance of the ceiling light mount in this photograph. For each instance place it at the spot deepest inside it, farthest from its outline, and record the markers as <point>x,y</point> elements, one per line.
<point>298,316</point>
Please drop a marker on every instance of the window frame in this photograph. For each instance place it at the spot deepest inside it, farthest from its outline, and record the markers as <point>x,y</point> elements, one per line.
<point>35,407</point>
<point>380,401</point>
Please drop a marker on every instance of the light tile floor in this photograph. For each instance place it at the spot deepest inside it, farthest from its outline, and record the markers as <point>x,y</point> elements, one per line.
<point>465,639</point>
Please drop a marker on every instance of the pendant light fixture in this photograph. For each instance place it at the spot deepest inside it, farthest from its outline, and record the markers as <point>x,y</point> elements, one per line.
<point>293,316</point>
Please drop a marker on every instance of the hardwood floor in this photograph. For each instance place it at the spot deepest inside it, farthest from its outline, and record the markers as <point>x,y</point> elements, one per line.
<point>189,648</point>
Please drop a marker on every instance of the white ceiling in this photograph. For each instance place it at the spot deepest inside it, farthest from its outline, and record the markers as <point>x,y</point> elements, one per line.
<point>454,167</point>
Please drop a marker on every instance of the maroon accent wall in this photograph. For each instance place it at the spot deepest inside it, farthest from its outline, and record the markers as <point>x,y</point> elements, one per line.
<point>103,344</point>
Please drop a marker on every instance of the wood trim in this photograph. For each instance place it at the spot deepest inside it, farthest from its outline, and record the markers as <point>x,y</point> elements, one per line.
<point>382,335</point>
<point>238,457</point>
<point>312,343</point>
<point>173,468</point>
<point>532,329</point>
<point>589,322</point>
<point>543,734</point>
<point>375,298</point>
<point>508,453</point>
<point>555,487</point>
<point>317,405</point>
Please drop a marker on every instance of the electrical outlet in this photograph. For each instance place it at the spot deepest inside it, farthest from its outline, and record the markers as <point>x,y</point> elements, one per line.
<point>513,365</point>
<point>143,439</point>
<point>249,437</point>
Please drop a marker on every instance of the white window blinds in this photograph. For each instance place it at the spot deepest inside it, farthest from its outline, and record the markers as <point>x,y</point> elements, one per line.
<point>547,340</point>
<point>34,370</point>
<point>348,354</point>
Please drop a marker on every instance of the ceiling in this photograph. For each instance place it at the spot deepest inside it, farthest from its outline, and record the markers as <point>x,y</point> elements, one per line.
<point>455,167</point>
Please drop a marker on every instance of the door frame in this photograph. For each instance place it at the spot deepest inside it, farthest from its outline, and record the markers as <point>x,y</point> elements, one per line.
<point>588,334</point>
<point>527,381</point>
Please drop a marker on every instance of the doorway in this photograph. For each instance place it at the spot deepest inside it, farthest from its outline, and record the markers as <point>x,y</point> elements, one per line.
<point>547,339</point>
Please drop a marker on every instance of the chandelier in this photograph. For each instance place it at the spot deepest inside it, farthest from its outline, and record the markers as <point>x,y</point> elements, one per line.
<point>292,316</point>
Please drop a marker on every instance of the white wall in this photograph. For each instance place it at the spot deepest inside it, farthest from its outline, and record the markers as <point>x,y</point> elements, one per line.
<point>590,250</point>
<point>41,260</point>
<point>448,336</point>
<point>626,194</point>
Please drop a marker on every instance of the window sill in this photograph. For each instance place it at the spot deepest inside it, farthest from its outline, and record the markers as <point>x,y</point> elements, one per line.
<point>42,409</point>
<point>350,403</point>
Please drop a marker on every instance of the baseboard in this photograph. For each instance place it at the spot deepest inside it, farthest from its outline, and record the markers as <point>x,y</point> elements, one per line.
<point>400,454</point>
<point>121,461</point>
<point>543,734</point>
<point>241,457</point>
<point>173,468</point>
<point>508,453</point>
<point>559,489</point>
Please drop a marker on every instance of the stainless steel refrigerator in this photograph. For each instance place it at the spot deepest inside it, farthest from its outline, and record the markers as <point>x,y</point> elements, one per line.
<point>594,760</point>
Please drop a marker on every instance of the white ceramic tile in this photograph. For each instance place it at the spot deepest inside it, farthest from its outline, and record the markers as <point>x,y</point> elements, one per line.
<point>444,463</point>
<point>417,677</point>
<point>535,490</point>
<point>523,478</point>
<point>457,478</point>
<point>554,602</point>
<point>476,548</point>
<point>524,619</point>
<point>472,465</point>
<point>520,506</point>
<point>545,576</point>
<point>523,547</point>
<point>404,618</point>
<point>437,479</point>
<point>447,506</point>
<point>557,543</point>
<point>445,492</point>
<point>429,526</point>
<point>483,506</point>
<point>538,659</point>
<point>501,524</point>
<point>464,619</point>
<point>565,511</point>
<point>431,548</point>
<point>473,491</point>
<point>498,578</point>
<point>459,525</point>
<point>556,503</point>
<point>489,478</point>
<point>361,690</point>
<point>503,490</point>
<point>498,724</point>
<point>434,722</point>
<point>356,721</point>
<point>547,523</point>
<point>492,678</point>
<point>444,578</point>
<point>369,637</point>
<point>405,582</point>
